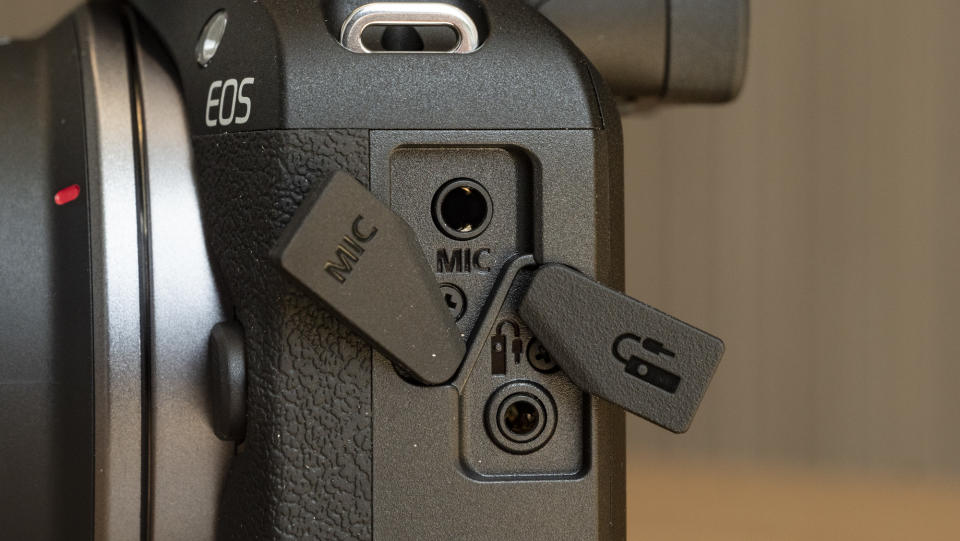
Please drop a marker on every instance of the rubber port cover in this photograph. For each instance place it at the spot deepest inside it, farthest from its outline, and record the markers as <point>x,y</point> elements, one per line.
<point>364,262</point>
<point>620,349</point>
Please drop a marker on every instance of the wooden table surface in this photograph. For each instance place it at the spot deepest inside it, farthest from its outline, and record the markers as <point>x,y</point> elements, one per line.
<point>688,500</point>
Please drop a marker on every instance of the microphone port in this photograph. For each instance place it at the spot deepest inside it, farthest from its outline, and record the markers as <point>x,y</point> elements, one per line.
<point>462,209</point>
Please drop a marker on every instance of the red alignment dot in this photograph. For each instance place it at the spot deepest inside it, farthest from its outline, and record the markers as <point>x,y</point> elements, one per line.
<point>67,194</point>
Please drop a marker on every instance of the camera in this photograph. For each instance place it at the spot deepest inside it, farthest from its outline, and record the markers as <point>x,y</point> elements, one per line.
<point>335,269</point>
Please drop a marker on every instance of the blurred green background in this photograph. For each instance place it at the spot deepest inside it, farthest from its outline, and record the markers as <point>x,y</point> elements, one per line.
<point>814,226</point>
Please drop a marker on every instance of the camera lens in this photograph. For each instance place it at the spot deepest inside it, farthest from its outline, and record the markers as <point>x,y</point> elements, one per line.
<point>462,209</point>
<point>101,350</point>
<point>46,346</point>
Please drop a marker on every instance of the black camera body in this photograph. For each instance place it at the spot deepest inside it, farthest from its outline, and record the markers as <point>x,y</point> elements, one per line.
<point>338,445</point>
<point>332,270</point>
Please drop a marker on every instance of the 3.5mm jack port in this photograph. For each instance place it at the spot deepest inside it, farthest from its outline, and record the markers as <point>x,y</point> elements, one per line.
<point>521,417</point>
<point>462,209</point>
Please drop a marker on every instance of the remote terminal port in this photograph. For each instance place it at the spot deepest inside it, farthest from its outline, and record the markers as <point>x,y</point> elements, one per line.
<point>521,417</point>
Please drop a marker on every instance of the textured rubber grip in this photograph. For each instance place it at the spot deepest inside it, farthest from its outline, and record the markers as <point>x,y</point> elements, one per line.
<point>305,468</point>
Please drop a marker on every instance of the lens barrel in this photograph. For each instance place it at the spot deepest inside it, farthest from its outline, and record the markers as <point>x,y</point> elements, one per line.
<point>107,296</point>
<point>46,379</point>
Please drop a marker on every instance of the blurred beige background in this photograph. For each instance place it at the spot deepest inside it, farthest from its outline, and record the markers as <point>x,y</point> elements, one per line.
<point>813,225</point>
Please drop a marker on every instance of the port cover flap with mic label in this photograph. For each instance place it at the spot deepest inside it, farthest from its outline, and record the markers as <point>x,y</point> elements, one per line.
<point>364,262</point>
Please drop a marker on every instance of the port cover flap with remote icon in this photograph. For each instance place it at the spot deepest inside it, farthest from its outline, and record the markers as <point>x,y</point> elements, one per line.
<point>620,349</point>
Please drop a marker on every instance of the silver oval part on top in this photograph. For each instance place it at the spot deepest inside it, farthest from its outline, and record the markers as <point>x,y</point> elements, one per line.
<point>409,14</point>
<point>210,37</point>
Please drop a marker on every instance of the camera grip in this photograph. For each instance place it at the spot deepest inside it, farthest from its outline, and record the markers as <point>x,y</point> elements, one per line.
<point>304,470</point>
